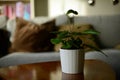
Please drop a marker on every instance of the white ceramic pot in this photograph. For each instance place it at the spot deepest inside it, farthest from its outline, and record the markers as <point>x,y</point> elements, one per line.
<point>72,61</point>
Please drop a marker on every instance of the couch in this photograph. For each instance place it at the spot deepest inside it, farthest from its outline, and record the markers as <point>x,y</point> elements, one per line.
<point>108,40</point>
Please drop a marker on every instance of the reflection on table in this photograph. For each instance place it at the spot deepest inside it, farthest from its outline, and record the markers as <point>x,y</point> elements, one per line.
<point>93,70</point>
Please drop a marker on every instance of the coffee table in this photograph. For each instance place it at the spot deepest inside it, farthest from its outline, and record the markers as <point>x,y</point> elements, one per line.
<point>93,70</point>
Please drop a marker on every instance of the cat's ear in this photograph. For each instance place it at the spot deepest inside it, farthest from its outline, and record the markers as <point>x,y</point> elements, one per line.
<point>20,22</point>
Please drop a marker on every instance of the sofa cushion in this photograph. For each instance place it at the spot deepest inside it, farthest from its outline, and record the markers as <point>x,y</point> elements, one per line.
<point>20,58</point>
<point>30,37</point>
<point>87,39</point>
<point>3,21</point>
<point>112,59</point>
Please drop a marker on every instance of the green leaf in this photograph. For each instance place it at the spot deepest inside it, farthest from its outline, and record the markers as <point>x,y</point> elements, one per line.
<point>56,41</point>
<point>97,49</point>
<point>76,33</point>
<point>78,41</point>
<point>91,32</point>
<point>63,34</point>
<point>66,45</point>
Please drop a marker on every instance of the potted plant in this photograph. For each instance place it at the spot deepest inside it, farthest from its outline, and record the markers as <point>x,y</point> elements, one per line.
<point>72,49</point>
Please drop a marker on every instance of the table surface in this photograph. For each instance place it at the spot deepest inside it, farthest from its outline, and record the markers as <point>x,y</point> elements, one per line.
<point>93,70</point>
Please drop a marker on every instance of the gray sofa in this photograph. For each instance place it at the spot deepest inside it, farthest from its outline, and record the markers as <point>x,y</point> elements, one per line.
<point>109,26</point>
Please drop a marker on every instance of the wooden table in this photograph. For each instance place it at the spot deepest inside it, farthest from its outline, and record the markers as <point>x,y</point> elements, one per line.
<point>93,70</point>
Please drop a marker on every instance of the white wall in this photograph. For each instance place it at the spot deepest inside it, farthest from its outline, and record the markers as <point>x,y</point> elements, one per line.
<point>54,8</point>
<point>32,8</point>
<point>102,7</point>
